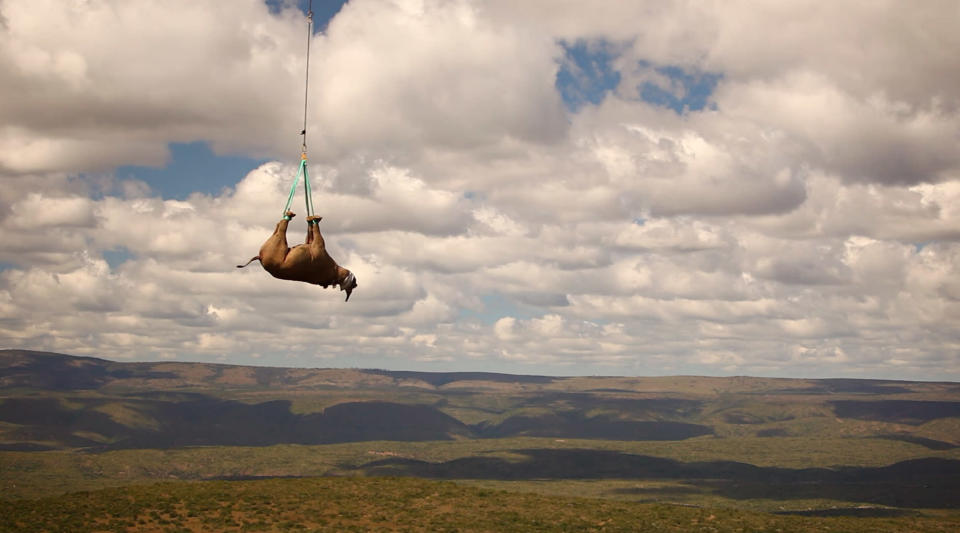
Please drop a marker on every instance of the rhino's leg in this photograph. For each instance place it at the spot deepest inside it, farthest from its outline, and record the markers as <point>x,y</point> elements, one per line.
<point>275,249</point>
<point>314,238</point>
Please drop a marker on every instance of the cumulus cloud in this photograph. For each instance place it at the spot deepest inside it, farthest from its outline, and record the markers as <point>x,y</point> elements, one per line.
<point>102,83</point>
<point>804,222</point>
<point>416,74</point>
<point>870,139</point>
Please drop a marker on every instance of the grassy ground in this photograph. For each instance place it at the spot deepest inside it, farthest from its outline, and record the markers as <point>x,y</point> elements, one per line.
<point>44,474</point>
<point>393,504</point>
<point>708,495</point>
<point>34,474</point>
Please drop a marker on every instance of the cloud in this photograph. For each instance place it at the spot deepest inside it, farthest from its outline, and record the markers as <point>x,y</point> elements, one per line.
<point>829,78</point>
<point>870,139</point>
<point>405,75</point>
<point>804,223</point>
<point>102,83</point>
<point>862,46</point>
<point>917,214</point>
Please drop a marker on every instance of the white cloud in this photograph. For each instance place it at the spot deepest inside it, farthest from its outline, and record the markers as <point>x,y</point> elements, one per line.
<point>93,84</point>
<point>862,138</point>
<point>806,225</point>
<point>432,73</point>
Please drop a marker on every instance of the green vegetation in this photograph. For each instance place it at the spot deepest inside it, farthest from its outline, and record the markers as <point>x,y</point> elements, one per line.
<point>31,471</point>
<point>393,504</point>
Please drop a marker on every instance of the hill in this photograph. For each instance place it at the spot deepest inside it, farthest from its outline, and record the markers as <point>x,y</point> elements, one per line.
<point>53,401</point>
<point>867,447</point>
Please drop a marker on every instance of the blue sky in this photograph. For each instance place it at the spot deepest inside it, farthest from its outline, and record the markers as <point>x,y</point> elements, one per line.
<point>193,168</point>
<point>323,10</point>
<point>587,75</point>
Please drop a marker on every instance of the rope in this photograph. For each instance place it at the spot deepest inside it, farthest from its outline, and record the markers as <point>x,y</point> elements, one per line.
<point>302,171</point>
<point>306,89</point>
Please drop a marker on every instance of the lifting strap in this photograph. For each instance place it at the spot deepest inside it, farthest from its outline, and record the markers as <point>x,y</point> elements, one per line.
<point>303,148</point>
<point>306,187</point>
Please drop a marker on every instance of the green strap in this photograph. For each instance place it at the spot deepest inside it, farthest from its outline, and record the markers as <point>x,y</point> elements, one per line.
<point>306,186</point>
<point>293,189</point>
<point>308,194</point>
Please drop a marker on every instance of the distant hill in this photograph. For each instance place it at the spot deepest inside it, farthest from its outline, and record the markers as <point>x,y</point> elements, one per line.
<point>56,401</point>
<point>52,371</point>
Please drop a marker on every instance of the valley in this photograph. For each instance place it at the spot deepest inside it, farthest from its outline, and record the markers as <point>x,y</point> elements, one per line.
<point>846,449</point>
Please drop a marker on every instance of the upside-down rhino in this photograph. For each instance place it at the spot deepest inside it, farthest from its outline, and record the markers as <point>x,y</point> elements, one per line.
<point>308,262</point>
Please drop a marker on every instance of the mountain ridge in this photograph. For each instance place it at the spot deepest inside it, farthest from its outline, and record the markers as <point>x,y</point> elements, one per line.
<point>58,401</point>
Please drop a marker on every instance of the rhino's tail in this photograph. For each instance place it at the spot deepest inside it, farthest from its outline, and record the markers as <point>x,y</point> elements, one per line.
<point>252,259</point>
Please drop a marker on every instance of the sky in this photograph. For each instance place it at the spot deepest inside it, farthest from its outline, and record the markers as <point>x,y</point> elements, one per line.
<point>542,187</point>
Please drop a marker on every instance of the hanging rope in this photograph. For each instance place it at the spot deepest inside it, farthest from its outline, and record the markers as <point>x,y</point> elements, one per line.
<point>306,88</point>
<point>302,171</point>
